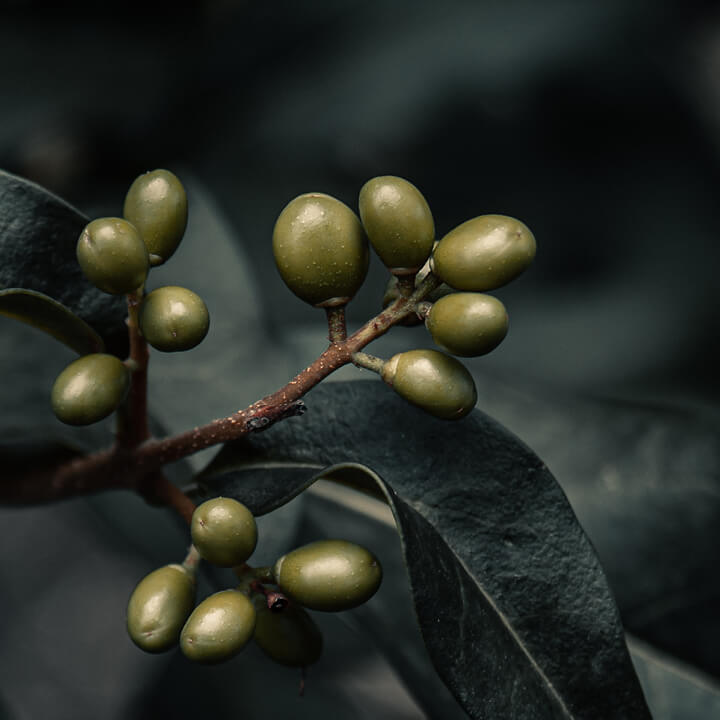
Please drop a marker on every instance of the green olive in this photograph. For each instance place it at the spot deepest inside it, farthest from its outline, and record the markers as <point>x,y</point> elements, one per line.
<point>484,253</point>
<point>398,223</point>
<point>435,382</point>
<point>112,255</point>
<point>467,324</point>
<point>89,389</point>
<point>219,627</point>
<point>156,204</point>
<point>224,532</point>
<point>330,575</point>
<point>159,607</point>
<point>173,319</point>
<point>288,636</point>
<point>320,250</point>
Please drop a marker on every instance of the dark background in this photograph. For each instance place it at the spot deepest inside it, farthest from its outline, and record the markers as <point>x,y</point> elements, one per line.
<point>597,123</point>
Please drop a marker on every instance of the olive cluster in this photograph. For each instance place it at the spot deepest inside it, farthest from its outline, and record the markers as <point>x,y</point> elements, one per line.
<point>116,254</point>
<point>269,603</point>
<point>321,250</point>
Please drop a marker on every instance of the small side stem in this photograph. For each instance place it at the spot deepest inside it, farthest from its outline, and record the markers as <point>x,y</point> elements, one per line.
<point>367,361</point>
<point>133,426</point>
<point>337,327</point>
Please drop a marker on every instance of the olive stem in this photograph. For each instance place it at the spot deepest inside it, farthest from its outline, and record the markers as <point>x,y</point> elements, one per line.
<point>133,426</point>
<point>422,309</point>
<point>367,361</point>
<point>406,284</point>
<point>136,467</point>
<point>337,327</point>
<point>192,560</point>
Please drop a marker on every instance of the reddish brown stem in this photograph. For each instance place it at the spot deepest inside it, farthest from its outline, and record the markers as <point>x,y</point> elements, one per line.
<point>134,467</point>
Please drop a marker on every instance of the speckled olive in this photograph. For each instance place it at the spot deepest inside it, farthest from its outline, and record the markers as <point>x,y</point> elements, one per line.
<point>289,636</point>
<point>483,253</point>
<point>156,204</point>
<point>159,607</point>
<point>329,575</point>
<point>398,223</point>
<point>320,249</point>
<point>219,627</point>
<point>467,324</point>
<point>435,382</point>
<point>112,255</point>
<point>173,319</point>
<point>89,389</point>
<point>224,531</point>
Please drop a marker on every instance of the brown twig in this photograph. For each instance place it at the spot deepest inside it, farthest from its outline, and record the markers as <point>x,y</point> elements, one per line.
<point>135,466</point>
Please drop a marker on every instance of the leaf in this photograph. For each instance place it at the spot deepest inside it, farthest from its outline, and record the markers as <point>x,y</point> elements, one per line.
<point>38,235</point>
<point>674,691</point>
<point>645,485</point>
<point>511,600</point>
<point>52,317</point>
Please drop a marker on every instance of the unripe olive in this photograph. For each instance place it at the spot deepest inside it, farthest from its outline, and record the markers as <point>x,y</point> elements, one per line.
<point>329,575</point>
<point>224,531</point>
<point>289,636</point>
<point>398,223</point>
<point>219,627</point>
<point>435,382</point>
<point>173,318</point>
<point>320,249</point>
<point>89,389</point>
<point>112,255</point>
<point>159,607</point>
<point>484,253</point>
<point>467,324</point>
<point>156,204</point>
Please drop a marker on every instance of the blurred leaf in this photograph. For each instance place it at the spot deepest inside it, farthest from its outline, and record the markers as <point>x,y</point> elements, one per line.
<point>38,235</point>
<point>52,317</point>
<point>511,600</point>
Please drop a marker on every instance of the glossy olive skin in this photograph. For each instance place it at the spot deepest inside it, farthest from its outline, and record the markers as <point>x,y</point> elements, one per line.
<point>467,324</point>
<point>484,253</point>
<point>219,627</point>
<point>329,575</point>
<point>89,389</point>
<point>156,204</point>
<point>435,382</point>
<point>173,319</point>
<point>159,607</point>
<point>320,249</point>
<point>224,532</point>
<point>398,223</point>
<point>112,255</point>
<point>289,637</point>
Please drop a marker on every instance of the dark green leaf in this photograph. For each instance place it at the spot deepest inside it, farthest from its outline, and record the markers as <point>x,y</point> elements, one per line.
<point>645,485</point>
<point>52,317</point>
<point>38,235</point>
<point>511,600</point>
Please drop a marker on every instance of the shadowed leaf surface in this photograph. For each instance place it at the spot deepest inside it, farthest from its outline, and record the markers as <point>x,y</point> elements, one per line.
<point>38,235</point>
<point>52,317</point>
<point>510,597</point>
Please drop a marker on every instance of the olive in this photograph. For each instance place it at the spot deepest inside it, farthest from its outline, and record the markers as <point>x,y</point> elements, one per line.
<point>159,607</point>
<point>289,636</point>
<point>329,575</point>
<point>398,223</point>
<point>320,249</point>
<point>173,318</point>
<point>467,324</point>
<point>112,255</point>
<point>224,532</point>
<point>483,253</point>
<point>219,627</point>
<point>435,382</point>
<point>156,204</point>
<point>89,389</point>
